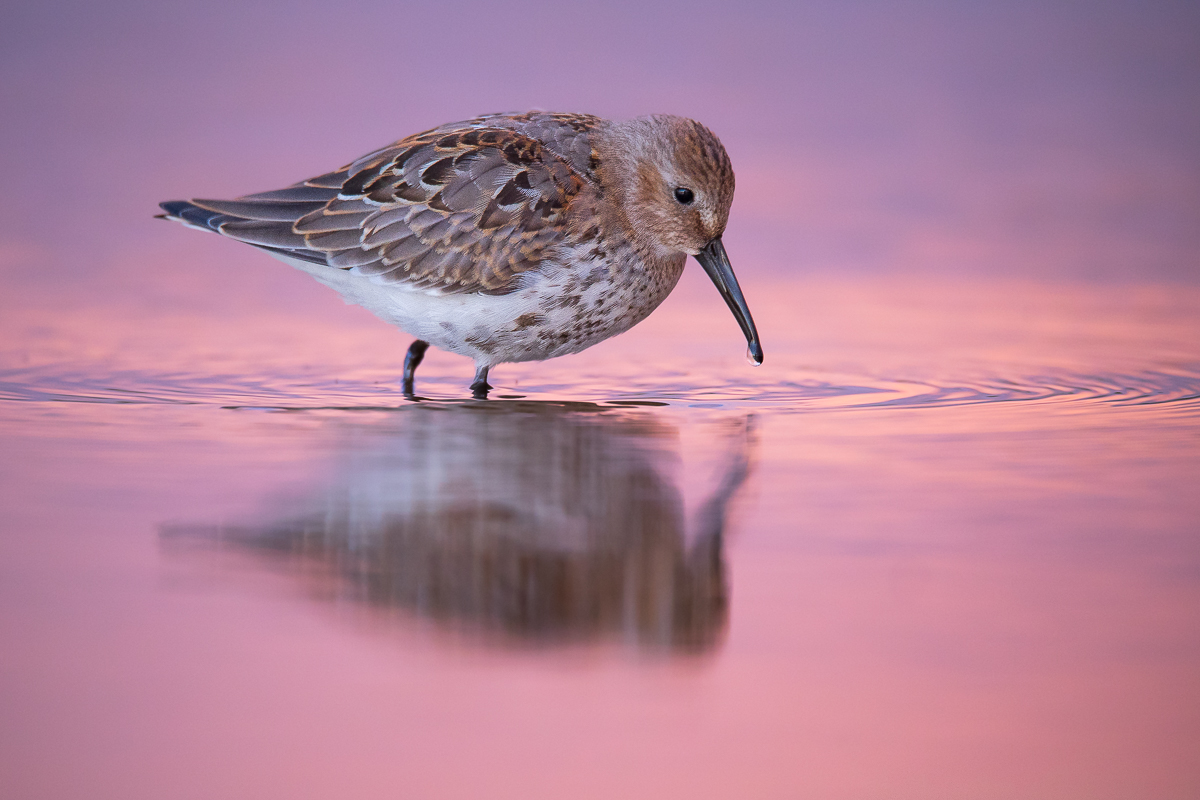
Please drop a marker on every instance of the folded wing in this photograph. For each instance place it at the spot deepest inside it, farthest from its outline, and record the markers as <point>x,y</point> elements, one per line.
<point>458,210</point>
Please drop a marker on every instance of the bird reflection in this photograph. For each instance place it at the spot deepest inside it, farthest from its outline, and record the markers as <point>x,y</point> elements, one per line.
<point>538,522</point>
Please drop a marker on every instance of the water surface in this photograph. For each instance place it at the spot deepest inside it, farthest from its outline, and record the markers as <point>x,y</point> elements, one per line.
<point>942,544</point>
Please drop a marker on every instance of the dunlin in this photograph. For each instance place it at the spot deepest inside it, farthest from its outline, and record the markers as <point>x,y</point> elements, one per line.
<point>510,237</point>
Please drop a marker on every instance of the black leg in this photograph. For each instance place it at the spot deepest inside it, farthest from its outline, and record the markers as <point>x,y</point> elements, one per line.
<point>416,352</point>
<point>479,388</point>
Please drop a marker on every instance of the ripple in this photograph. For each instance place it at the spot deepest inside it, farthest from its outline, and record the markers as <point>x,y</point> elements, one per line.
<point>1177,389</point>
<point>1132,389</point>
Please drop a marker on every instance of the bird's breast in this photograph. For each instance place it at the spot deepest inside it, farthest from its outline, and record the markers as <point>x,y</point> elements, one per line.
<point>583,295</point>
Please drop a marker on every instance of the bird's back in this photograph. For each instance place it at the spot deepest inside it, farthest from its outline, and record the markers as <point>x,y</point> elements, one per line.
<point>465,207</point>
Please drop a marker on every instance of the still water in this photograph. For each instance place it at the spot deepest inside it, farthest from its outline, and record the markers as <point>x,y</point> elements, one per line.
<point>944,543</point>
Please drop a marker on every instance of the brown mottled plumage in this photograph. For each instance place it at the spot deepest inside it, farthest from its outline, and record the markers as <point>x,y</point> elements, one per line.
<point>509,237</point>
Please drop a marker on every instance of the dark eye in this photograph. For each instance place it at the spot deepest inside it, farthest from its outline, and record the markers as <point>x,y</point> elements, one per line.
<point>684,196</point>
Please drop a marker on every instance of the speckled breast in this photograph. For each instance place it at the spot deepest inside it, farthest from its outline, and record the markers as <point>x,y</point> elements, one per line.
<point>561,309</point>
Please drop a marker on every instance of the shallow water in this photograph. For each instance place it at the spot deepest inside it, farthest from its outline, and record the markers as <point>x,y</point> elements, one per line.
<point>942,544</point>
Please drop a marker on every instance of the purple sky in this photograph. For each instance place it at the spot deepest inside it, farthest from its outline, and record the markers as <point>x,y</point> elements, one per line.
<point>1058,140</point>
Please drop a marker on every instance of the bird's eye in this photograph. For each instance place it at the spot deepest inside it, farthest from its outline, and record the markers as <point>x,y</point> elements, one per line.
<point>684,196</point>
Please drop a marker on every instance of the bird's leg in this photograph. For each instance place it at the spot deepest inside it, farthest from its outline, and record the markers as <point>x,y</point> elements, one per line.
<point>480,386</point>
<point>416,352</point>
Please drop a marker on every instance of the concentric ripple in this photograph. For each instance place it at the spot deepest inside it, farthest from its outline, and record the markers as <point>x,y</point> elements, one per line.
<point>1152,387</point>
<point>1178,389</point>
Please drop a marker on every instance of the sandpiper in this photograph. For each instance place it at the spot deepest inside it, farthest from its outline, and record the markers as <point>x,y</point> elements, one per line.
<point>505,238</point>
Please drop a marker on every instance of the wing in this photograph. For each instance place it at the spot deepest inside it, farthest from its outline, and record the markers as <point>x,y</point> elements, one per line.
<point>463,208</point>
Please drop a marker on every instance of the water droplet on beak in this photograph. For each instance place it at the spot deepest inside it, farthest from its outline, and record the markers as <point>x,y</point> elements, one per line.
<point>754,358</point>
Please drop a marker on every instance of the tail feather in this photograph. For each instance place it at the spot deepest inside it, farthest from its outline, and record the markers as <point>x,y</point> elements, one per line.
<point>265,223</point>
<point>262,210</point>
<point>301,192</point>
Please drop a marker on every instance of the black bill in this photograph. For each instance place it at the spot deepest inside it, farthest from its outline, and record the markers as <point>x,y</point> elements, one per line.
<point>716,263</point>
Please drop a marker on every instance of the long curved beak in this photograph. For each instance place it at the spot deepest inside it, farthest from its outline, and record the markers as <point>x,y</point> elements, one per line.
<point>716,263</point>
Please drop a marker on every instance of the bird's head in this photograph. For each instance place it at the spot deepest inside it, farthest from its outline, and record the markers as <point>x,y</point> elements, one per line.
<point>674,183</point>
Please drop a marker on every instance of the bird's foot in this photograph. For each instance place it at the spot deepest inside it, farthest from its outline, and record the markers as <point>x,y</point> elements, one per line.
<point>416,352</point>
<point>480,387</point>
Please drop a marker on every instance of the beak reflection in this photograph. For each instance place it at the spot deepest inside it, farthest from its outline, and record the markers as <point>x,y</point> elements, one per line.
<point>523,522</point>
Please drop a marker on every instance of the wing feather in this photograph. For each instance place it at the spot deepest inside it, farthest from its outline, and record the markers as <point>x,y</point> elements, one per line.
<point>348,259</point>
<point>467,207</point>
<point>320,223</point>
<point>264,233</point>
<point>265,210</point>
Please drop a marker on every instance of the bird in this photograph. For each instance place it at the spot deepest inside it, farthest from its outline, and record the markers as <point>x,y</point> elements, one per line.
<point>508,237</point>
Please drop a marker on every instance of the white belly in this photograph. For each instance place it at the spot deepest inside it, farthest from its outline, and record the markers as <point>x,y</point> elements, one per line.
<point>555,312</point>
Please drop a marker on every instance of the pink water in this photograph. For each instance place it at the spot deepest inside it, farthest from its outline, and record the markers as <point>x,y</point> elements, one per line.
<point>944,543</point>
<point>923,551</point>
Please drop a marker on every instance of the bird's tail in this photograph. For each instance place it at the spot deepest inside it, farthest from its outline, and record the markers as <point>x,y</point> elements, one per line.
<point>265,219</point>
